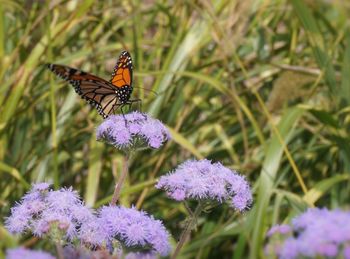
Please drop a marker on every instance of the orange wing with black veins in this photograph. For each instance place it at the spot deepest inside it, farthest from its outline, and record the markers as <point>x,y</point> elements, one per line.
<point>98,92</point>
<point>122,74</point>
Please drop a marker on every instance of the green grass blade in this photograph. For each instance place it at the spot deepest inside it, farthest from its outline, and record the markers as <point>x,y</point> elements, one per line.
<point>177,60</point>
<point>345,78</point>
<point>7,240</point>
<point>317,43</point>
<point>94,172</point>
<point>14,173</point>
<point>322,187</point>
<point>184,143</point>
<point>268,174</point>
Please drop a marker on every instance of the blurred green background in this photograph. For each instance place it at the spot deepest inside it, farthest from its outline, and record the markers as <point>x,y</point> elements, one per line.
<point>262,86</point>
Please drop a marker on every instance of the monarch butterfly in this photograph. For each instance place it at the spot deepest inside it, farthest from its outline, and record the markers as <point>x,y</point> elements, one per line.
<point>103,95</point>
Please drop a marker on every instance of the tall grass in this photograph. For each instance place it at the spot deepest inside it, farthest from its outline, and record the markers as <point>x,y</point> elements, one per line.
<point>262,86</point>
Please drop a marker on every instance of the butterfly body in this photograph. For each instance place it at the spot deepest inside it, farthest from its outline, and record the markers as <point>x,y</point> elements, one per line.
<point>103,95</point>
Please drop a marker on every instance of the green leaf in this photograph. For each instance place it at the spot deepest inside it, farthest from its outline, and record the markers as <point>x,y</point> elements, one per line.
<point>322,187</point>
<point>325,117</point>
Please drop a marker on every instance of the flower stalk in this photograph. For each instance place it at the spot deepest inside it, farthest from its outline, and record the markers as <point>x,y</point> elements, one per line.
<point>59,249</point>
<point>118,186</point>
<point>191,223</point>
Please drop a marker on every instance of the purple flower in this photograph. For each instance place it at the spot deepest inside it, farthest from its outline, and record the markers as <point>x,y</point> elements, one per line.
<point>31,206</point>
<point>23,253</point>
<point>346,252</point>
<point>18,222</point>
<point>72,252</point>
<point>61,216</point>
<point>280,229</point>
<point>135,228</point>
<point>63,199</point>
<point>41,187</point>
<point>206,180</point>
<point>318,232</point>
<point>132,130</point>
<point>139,255</point>
<point>44,212</point>
<point>51,220</point>
<point>289,250</point>
<point>94,233</point>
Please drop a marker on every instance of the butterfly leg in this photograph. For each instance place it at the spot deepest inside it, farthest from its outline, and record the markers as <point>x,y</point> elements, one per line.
<point>120,106</point>
<point>139,101</point>
<point>140,104</point>
<point>121,109</point>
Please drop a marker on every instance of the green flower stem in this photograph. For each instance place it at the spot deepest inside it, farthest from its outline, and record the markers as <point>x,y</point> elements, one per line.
<point>191,223</point>
<point>121,180</point>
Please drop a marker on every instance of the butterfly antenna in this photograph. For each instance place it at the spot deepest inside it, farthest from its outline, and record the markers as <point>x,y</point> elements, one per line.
<point>154,92</point>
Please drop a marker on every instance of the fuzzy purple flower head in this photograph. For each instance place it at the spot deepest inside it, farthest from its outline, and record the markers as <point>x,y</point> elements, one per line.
<point>73,252</point>
<point>94,233</point>
<point>133,130</point>
<point>206,180</point>
<point>44,212</point>
<point>23,253</point>
<point>279,229</point>
<point>135,229</point>
<point>61,216</point>
<point>139,255</point>
<point>315,233</point>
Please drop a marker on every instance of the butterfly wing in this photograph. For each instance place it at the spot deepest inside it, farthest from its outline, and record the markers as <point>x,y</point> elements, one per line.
<point>95,90</point>
<point>122,74</point>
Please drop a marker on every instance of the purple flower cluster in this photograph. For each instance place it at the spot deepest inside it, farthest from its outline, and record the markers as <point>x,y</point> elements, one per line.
<point>23,253</point>
<point>131,227</point>
<point>315,233</point>
<point>205,180</point>
<point>72,252</point>
<point>43,212</point>
<point>139,255</point>
<point>132,130</point>
<point>279,229</point>
<point>62,216</point>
